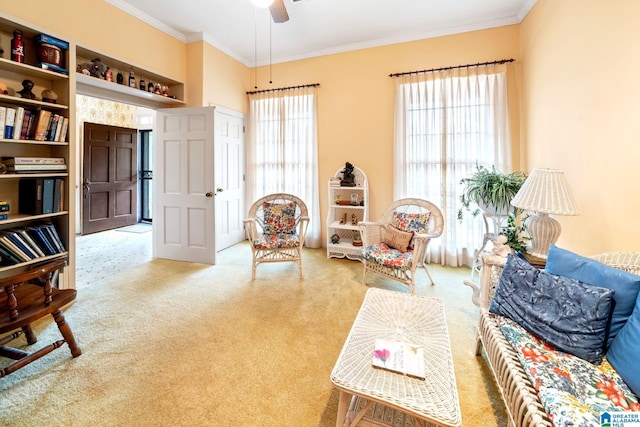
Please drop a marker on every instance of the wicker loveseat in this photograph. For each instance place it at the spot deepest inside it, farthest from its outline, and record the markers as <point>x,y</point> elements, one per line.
<point>540,385</point>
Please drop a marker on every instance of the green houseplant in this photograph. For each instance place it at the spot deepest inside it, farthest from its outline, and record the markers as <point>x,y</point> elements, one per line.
<point>489,191</point>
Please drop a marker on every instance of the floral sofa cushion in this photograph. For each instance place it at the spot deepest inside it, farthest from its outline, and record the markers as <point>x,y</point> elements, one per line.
<point>573,391</point>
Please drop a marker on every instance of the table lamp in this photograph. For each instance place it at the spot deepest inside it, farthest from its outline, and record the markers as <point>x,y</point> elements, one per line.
<point>544,192</point>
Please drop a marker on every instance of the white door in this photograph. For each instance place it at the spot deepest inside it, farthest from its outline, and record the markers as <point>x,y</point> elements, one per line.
<point>229,178</point>
<point>183,207</point>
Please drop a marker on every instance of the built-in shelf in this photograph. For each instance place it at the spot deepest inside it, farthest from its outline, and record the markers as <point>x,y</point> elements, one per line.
<point>30,70</point>
<point>94,86</point>
<point>118,92</point>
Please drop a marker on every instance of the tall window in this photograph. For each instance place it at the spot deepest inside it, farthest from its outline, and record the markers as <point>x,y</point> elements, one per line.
<point>283,150</point>
<point>447,123</point>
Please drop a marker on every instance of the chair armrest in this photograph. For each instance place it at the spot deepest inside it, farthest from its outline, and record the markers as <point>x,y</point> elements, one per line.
<point>492,266</point>
<point>250,228</point>
<point>371,232</point>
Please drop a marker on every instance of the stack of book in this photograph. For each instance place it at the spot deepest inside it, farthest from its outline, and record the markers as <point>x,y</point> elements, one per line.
<point>34,124</point>
<point>34,164</point>
<point>4,210</point>
<point>23,244</point>
<point>37,196</point>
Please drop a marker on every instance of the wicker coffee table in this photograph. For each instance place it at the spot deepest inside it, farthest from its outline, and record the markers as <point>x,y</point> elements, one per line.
<point>381,397</point>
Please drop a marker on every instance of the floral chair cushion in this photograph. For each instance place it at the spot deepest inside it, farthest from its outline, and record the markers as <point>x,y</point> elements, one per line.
<point>279,218</point>
<point>388,257</point>
<point>573,391</point>
<point>277,241</point>
<point>415,222</point>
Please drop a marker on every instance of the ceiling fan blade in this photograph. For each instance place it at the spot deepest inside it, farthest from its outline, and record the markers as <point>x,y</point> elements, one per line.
<point>278,12</point>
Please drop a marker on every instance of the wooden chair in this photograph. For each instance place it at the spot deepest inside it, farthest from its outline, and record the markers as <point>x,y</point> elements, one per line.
<point>276,227</point>
<point>383,255</point>
<point>22,302</point>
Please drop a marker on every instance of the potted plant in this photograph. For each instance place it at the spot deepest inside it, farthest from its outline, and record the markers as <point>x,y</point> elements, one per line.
<point>491,191</point>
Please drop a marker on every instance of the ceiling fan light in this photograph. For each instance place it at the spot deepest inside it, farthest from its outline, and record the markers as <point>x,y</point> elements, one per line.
<point>261,3</point>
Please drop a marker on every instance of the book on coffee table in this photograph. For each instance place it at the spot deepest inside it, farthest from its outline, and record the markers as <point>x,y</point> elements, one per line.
<point>401,357</point>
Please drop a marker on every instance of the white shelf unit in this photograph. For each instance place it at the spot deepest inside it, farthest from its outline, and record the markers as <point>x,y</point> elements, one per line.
<point>12,74</point>
<point>338,212</point>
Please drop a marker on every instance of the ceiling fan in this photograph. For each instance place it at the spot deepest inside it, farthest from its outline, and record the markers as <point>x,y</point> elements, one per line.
<point>277,9</point>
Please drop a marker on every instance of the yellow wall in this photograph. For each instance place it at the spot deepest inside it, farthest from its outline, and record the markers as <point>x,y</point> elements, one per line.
<point>580,113</point>
<point>356,99</point>
<point>226,80</point>
<point>100,26</point>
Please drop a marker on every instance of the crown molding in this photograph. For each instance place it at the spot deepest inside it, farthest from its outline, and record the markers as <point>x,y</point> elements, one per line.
<point>526,8</point>
<point>137,13</point>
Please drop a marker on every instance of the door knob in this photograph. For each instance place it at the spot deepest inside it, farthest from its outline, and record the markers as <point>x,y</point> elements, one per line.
<point>86,187</point>
<point>209,194</point>
<point>219,190</point>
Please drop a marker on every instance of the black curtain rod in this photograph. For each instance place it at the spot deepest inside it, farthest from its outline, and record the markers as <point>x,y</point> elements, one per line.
<point>283,88</point>
<point>433,70</point>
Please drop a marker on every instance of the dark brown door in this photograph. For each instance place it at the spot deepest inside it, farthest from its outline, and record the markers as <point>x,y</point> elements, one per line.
<point>110,177</point>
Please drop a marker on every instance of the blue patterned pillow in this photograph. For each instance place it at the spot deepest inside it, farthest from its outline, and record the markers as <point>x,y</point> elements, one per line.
<point>626,285</point>
<point>568,314</point>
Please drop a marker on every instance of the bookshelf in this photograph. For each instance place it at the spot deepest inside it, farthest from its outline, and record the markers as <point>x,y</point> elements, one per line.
<point>12,74</point>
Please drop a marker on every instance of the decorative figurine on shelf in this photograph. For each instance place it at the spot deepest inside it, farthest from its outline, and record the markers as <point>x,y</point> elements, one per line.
<point>357,240</point>
<point>335,239</point>
<point>49,96</point>
<point>27,90</point>
<point>96,68</point>
<point>150,86</point>
<point>119,78</point>
<point>354,199</point>
<point>157,89</point>
<point>108,75</point>
<point>348,178</point>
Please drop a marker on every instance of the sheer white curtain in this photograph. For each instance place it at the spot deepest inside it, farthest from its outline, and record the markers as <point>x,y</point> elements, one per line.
<point>446,123</point>
<point>282,155</point>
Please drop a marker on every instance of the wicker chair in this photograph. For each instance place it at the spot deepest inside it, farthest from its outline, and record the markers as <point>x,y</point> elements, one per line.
<point>276,227</point>
<point>420,216</point>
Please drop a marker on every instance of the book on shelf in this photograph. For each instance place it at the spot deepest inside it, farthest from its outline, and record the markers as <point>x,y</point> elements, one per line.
<point>398,356</point>
<point>33,160</point>
<point>52,67</point>
<point>4,216</point>
<point>4,206</point>
<point>42,124</point>
<point>3,119</point>
<point>22,231</point>
<point>63,132</point>
<point>30,196</point>
<point>9,121</point>
<point>25,243</point>
<point>13,248</point>
<point>51,231</point>
<point>7,257</point>
<point>26,121</point>
<point>17,125</point>
<point>36,168</point>
<point>38,236</point>
<point>53,125</point>
<point>47,195</point>
<point>58,193</point>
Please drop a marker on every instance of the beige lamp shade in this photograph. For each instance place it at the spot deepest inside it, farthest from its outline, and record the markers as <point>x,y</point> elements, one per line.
<point>544,192</point>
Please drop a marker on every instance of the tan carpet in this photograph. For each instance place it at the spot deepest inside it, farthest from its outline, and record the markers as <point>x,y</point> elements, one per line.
<point>177,344</point>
